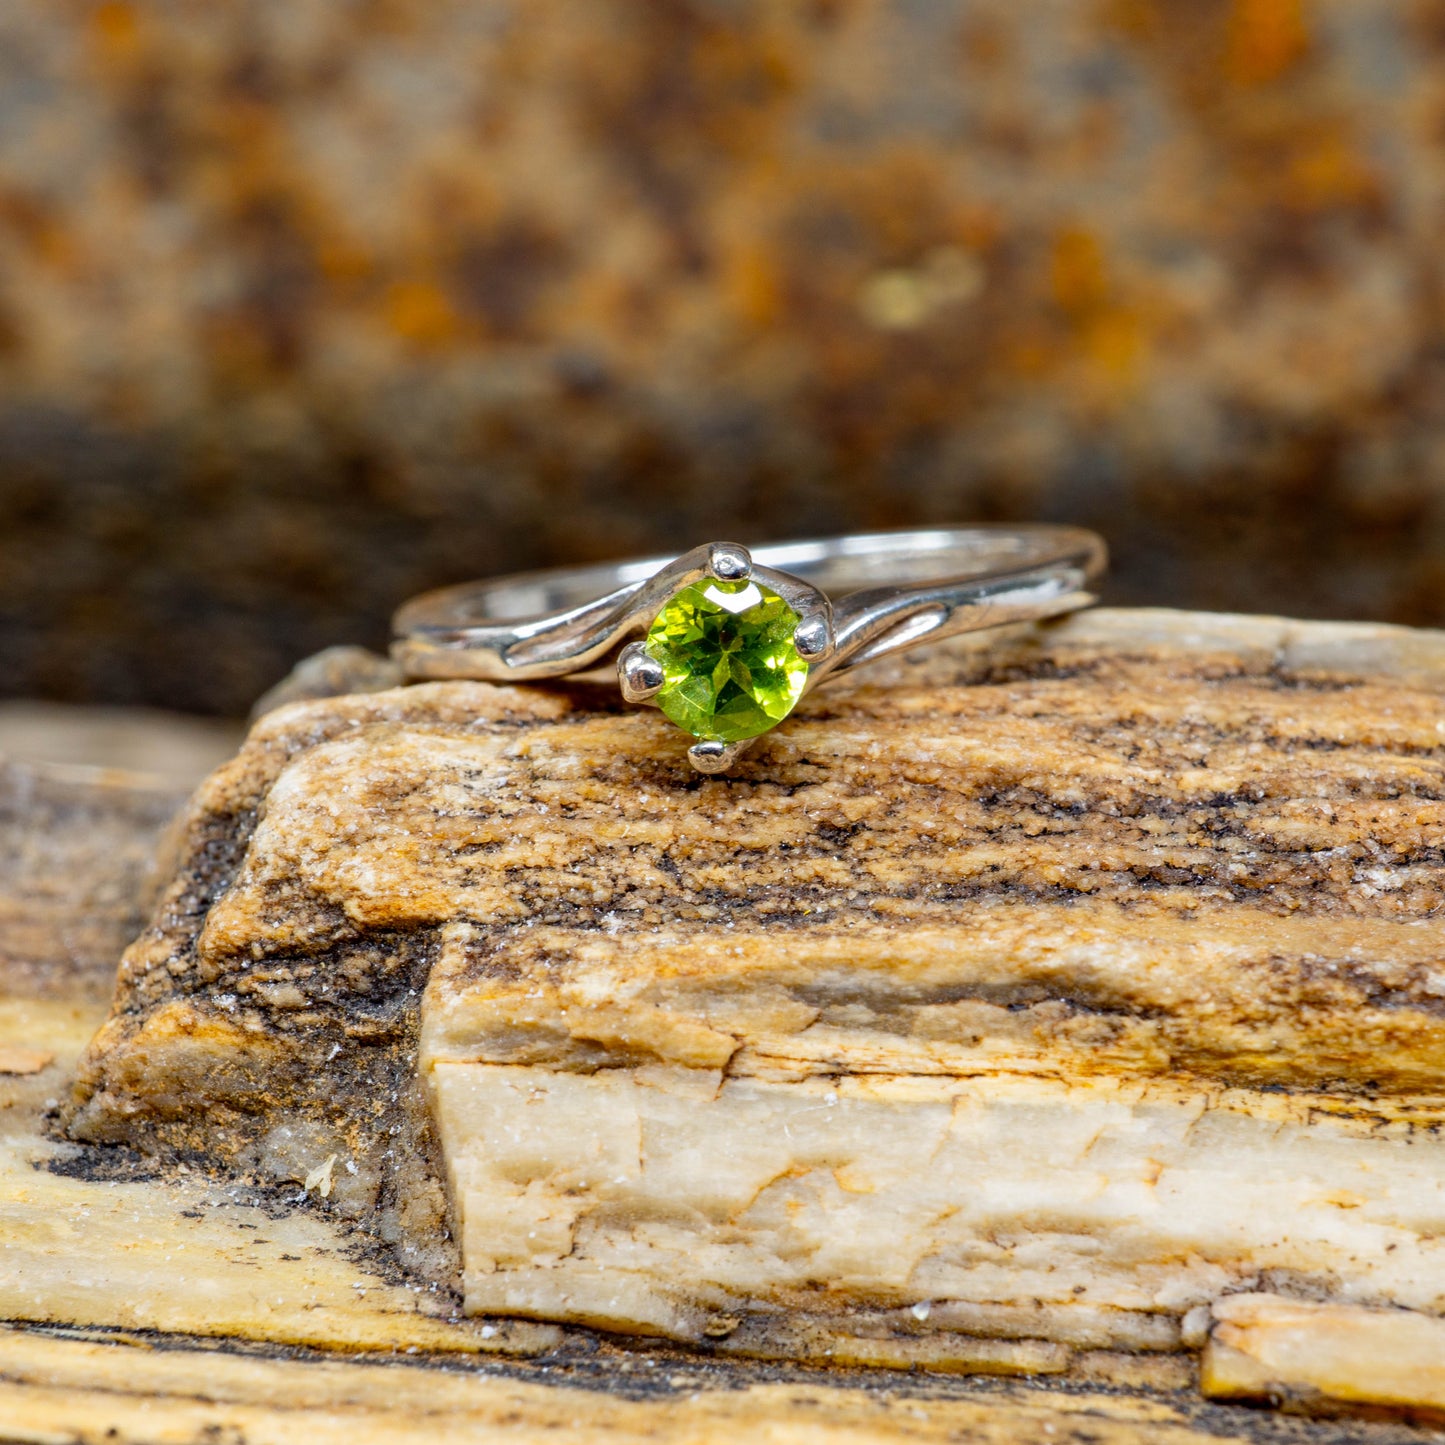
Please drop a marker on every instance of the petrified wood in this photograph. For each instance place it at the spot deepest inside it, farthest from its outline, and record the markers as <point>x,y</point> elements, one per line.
<point>1026,1008</point>
<point>76,856</point>
<point>98,1270</point>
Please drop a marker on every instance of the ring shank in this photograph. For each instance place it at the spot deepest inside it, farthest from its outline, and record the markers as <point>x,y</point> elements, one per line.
<point>834,565</point>
<point>978,577</point>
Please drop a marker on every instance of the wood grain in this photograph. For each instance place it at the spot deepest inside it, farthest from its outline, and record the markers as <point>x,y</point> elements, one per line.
<point>1168,881</point>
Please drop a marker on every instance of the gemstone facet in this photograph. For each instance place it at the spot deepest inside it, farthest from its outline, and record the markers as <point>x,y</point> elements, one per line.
<point>726,649</point>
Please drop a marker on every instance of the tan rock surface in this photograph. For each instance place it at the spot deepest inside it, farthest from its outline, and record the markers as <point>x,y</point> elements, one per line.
<point>118,1279</point>
<point>1009,1006</point>
<point>84,797</point>
<point>121,1394</point>
<point>1311,1355</point>
<point>75,860</point>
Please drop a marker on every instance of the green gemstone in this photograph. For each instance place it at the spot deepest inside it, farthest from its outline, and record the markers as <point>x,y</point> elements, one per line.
<point>726,651</point>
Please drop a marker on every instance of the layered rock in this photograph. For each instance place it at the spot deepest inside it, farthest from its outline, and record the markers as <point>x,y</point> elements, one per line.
<point>85,798</point>
<point>1006,1009</point>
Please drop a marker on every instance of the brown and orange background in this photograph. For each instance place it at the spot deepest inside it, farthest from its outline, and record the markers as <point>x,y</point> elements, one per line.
<point>307,305</point>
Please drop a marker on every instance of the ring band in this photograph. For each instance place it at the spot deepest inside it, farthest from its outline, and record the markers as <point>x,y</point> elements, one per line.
<point>733,637</point>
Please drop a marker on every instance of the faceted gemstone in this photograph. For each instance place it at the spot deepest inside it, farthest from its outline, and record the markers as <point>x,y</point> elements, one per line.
<point>726,650</point>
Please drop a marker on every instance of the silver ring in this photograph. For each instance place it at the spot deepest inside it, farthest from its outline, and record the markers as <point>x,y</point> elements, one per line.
<point>732,637</point>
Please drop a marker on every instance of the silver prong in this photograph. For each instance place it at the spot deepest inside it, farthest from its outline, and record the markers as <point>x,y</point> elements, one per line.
<point>716,757</point>
<point>813,637</point>
<point>729,562</point>
<point>639,673</point>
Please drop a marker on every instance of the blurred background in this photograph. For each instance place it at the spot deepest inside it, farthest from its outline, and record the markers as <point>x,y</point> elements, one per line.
<point>306,305</point>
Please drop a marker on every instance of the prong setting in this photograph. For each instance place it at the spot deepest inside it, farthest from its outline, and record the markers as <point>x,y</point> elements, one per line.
<point>911,586</point>
<point>639,674</point>
<point>728,562</point>
<point>813,637</point>
<point>713,756</point>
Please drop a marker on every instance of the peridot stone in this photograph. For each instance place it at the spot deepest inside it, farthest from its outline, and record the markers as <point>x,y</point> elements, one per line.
<point>726,650</point>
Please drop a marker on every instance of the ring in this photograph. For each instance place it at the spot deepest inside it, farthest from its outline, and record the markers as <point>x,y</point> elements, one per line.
<point>733,638</point>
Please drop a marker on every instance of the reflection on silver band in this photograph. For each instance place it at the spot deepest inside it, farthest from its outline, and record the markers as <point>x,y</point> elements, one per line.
<point>858,597</point>
<point>887,590</point>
